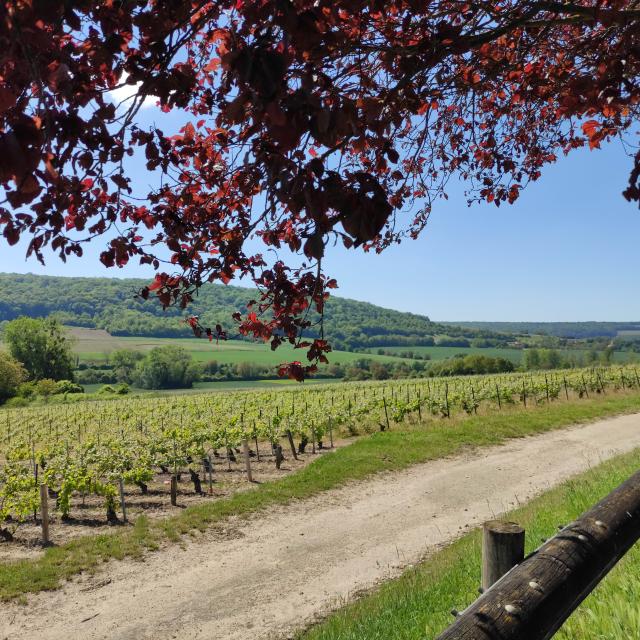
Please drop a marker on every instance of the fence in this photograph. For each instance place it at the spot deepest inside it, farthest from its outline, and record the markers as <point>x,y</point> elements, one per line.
<point>532,600</point>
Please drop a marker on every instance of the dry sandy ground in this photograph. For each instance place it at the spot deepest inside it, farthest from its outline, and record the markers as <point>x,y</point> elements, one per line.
<point>299,561</point>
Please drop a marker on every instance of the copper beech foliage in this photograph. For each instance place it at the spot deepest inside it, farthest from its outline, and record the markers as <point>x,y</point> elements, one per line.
<point>311,121</point>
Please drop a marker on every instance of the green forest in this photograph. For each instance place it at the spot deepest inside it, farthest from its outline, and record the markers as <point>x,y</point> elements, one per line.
<point>112,304</point>
<point>575,330</point>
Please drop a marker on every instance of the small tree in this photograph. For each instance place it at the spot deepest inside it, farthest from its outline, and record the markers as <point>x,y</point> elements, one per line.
<point>124,363</point>
<point>531,359</point>
<point>379,371</point>
<point>42,346</point>
<point>12,374</point>
<point>166,368</point>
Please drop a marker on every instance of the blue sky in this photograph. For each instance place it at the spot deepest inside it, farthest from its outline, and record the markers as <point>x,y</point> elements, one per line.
<point>567,250</point>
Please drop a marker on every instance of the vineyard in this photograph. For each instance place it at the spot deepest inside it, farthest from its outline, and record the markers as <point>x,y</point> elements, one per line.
<point>110,454</point>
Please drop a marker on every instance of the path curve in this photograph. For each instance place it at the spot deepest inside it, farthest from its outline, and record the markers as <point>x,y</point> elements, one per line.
<point>301,560</point>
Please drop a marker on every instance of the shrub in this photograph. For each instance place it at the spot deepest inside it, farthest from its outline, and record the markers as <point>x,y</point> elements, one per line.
<point>42,346</point>
<point>66,386</point>
<point>12,375</point>
<point>27,390</point>
<point>46,387</point>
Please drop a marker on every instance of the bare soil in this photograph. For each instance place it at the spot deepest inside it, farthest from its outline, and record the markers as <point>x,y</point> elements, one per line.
<point>278,572</point>
<point>88,514</point>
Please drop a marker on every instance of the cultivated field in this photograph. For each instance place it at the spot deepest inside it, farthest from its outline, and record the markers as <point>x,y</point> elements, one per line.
<point>96,456</point>
<point>95,345</point>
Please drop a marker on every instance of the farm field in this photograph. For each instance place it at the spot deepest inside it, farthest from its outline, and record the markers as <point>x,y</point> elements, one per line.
<point>95,345</point>
<point>84,451</point>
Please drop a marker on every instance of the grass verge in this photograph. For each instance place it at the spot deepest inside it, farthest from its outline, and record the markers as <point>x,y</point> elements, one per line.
<point>417,605</point>
<point>388,451</point>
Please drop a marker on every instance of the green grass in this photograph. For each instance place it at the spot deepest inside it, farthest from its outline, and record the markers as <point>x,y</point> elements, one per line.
<point>417,605</point>
<point>404,445</point>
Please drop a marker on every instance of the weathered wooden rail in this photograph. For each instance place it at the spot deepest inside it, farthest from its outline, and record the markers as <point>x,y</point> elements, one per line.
<point>532,600</point>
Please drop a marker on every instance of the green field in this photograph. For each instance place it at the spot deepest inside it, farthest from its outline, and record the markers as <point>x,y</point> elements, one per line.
<point>95,345</point>
<point>409,442</point>
<point>515,355</point>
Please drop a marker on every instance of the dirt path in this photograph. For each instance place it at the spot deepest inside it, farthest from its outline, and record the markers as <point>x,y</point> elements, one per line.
<point>302,560</point>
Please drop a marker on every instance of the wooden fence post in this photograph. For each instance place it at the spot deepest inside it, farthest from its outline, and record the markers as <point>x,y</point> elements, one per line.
<point>532,601</point>
<point>247,459</point>
<point>44,511</point>
<point>502,549</point>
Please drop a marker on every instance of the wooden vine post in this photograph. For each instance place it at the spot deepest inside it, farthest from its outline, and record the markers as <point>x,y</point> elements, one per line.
<point>601,383</point>
<point>584,384</point>
<point>546,385</point>
<point>210,473</point>
<point>44,512</point>
<point>174,490</point>
<point>123,504</point>
<point>446,399</point>
<point>256,441</point>
<point>386,414</point>
<point>292,444</point>
<point>247,459</point>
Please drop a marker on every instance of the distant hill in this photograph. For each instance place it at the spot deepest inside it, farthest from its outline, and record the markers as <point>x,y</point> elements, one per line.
<point>578,330</point>
<point>111,304</point>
